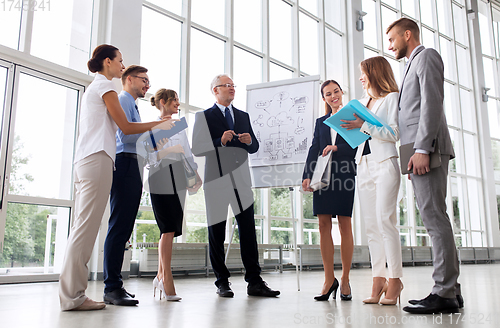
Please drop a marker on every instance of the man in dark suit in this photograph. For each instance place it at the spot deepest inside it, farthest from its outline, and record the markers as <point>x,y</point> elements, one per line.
<point>224,136</point>
<point>422,122</point>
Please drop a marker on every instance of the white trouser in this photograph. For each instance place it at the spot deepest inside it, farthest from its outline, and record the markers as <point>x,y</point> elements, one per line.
<point>93,176</point>
<point>378,186</point>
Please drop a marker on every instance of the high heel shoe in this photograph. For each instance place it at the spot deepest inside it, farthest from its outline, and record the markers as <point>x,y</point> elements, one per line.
<point>376,299</point>
<point>168,297</point>
<point>347,297</point>
<point>390,301</point>
<point>333,289</point>
<point>156,284</point>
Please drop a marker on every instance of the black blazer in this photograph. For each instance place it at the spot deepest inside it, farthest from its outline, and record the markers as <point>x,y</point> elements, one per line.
<point>208,129</point>
<point>322,138</point>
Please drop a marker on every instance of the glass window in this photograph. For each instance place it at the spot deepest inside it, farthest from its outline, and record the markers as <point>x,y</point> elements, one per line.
<point>484,28</point>
<point>472,149</point>
<point>209,14</point>
<point>311,233</point>
<point>451,103</point>
<point>161,56</point>
<point>281,232</point>
<point>468,110</point>
<point>494,117</point>
<point>465,71</point>
<point>489,78</point>
<point>396,68</point>
<point>445,22</point>
<point>201,73</point>
<point>456,164</point>
<point>3,86</point>
<point>495,149</point>
<point>41,157</point>
<point>62,34</point>
<point>497,187</point>
<point>448,59</point>
<point>174,6</point>
<point>310,5</point>
<point>428,38</point>
<point>280,31</point>
<point>247,70</point>
<point>456,198</point>
<point>334,57</point>
<point>280,202</point>
<point>277,73</point>
<point>427,9</point>
<point>370,53</point>
<point>392,3</point>
<point>309,45</point>
<point>333,14</point>
<point>460,24</point>
<point>403,205</point>
<point>408,8</point>
<point>477,239</point>
<point>388,16</point>
<point>370,22</point>
<point>248,23</point>
<point>35,238</point>
<point>10,24</point>
<point>475,209</point>
<point>196,226</point>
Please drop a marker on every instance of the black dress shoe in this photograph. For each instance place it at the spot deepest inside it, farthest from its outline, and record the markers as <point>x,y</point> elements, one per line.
<point>347,297</point>
<point>119,297</point>
<point>224,290</point>
<point>460,301</point>
<point>333,289</point>
<point>433,304</point>
<point>261,289</point>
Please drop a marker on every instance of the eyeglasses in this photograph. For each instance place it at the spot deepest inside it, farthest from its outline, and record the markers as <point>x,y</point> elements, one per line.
<point>227,85</point>
<point>145,80</point>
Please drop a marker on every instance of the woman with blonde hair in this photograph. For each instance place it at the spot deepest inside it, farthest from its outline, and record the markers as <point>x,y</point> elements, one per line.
<point>378,179</point>
<point>167,186</point>
<point>336,199</point>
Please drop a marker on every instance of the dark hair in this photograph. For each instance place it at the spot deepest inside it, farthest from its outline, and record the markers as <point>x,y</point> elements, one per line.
<point>327,82</point>
<point>166,94</point>
<point>99,55</point>
<point>380,76</point>
<point>132,70</point>
<point>405,24</point>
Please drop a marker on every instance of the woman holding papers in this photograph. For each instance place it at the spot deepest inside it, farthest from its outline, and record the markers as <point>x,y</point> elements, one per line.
<point>100,117</point>
<point>379,178</point>
<point>336,199</point>
<point>167,186</point>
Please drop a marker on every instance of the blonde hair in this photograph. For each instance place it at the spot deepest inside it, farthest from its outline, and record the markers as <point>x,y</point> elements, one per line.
<point>380,76</point>
<point>166,95</point>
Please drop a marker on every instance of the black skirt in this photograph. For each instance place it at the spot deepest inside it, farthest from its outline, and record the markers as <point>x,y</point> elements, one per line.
<point>338,197</point>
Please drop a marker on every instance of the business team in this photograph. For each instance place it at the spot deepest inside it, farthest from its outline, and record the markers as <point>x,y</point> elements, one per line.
<point>224,136</point>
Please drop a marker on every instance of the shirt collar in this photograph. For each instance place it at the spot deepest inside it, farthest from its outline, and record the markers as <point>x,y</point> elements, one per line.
<point>416,48</point>
<point>223,108</point>
<point>128,95</point>
<point>99,76</point>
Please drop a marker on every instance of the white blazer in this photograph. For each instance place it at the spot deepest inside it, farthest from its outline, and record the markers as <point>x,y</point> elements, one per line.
<point>383,142</point>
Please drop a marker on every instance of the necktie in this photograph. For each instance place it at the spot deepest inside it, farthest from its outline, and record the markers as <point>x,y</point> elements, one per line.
<point>229,119</point>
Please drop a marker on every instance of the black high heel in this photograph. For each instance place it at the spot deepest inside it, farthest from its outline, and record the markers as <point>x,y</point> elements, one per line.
<point>333,289</point>
<point>346,297</point>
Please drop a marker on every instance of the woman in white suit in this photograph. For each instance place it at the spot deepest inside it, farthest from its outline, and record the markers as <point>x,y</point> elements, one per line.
<point>378,179</point>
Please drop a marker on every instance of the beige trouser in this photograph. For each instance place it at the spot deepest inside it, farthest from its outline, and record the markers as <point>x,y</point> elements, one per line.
<point>378,186</point>
<point>93,176</point>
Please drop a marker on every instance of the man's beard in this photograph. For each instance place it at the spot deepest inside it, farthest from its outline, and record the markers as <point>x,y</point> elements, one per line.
<point>402,52</point>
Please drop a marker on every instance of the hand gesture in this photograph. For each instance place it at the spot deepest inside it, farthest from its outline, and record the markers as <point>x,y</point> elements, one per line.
<point>161,143</point>
<point>328,149</point>
<point>177,149</point>
<point>227,136</point>
<point>167,124</point>
<point>420,163</point>
<point>306,185</point>
<point>245,138</point>
<point>352,124</point>
<point>197,185</point>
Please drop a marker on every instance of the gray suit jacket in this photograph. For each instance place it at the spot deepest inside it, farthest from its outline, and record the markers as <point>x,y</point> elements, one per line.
<point>421,118</point>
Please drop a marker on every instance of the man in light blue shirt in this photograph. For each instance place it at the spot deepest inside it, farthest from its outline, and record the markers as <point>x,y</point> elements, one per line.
<point>126,190</point>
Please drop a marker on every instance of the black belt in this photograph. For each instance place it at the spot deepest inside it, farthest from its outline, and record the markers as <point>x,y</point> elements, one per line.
<point>131,155</point>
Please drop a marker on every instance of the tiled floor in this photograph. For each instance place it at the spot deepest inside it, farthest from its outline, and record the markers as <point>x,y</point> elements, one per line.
<point>37,304</point>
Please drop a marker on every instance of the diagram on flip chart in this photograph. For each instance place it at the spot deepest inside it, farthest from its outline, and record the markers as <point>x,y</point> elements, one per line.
<point>282,120</point>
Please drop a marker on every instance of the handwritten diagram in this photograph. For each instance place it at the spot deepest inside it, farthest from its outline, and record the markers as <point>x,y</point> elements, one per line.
<point>282,120</point>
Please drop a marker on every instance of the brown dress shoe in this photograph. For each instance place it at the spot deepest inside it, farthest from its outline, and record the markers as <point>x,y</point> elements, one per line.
<point>90,305</point>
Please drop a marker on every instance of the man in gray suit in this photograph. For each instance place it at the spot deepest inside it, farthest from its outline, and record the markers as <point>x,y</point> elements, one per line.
<point>422,122</point>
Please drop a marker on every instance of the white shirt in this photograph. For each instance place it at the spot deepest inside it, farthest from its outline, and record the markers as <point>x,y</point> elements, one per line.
<point>97,127</point>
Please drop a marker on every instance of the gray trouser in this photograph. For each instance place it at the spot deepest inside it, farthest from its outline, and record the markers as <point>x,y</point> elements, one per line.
<point>430,192</point>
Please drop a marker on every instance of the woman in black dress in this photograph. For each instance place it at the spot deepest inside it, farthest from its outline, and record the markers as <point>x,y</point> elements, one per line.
<point>335,200</point>
<point>167,186</point>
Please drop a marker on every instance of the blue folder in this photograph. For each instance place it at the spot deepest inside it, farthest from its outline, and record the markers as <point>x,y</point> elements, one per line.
<point>157,134</point>
<point>354,137</point>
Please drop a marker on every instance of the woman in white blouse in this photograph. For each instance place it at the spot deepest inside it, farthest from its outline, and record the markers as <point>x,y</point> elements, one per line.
<point>167,186</point>
<point>100,117</point>
<point>378,179</point>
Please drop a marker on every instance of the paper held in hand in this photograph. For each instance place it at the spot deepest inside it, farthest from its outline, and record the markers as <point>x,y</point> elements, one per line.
<point>322,172</point>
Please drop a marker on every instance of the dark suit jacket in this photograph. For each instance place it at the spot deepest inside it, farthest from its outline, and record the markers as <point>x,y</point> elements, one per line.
<point>208,129</point>
<point>322,138</point>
